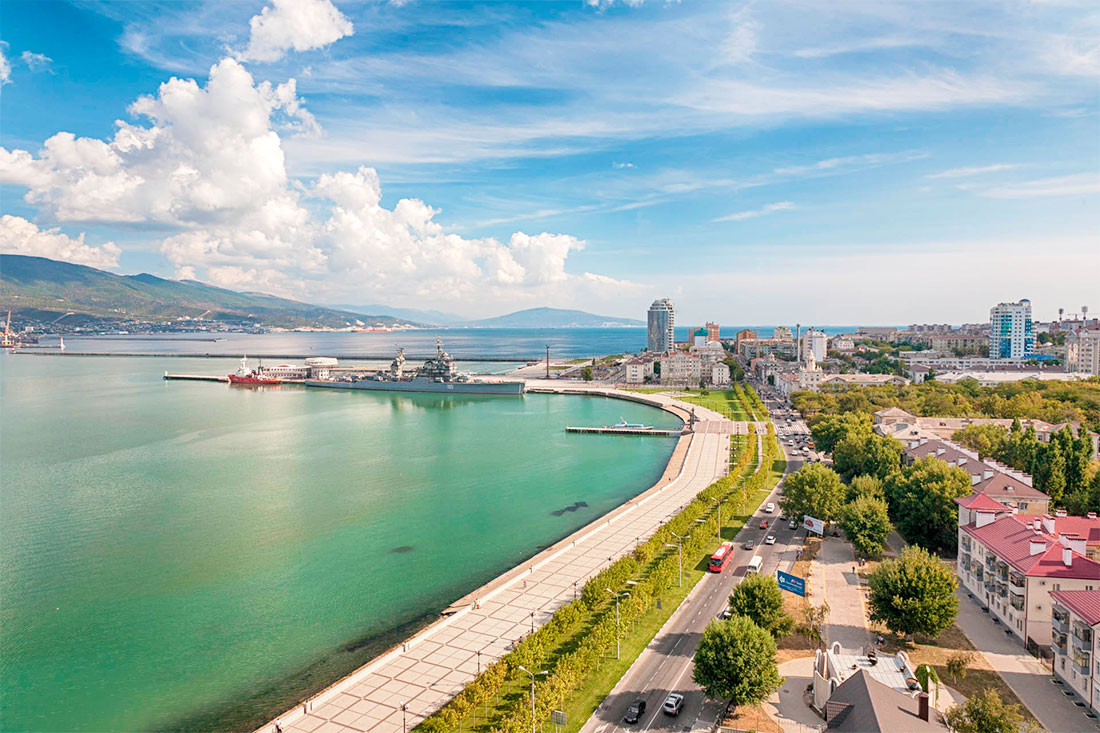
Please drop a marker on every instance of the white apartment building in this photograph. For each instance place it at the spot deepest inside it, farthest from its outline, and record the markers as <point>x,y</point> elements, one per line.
<point>1083,351</point>
<point>1075,642</point>
<point>783,333</point>
<point>681,367</point>
<point>1011,562</point>
<point>813,344</point>
<point>1011,335</point>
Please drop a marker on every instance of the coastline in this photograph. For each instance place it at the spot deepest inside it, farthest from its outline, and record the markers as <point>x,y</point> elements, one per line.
<point>676,469</point>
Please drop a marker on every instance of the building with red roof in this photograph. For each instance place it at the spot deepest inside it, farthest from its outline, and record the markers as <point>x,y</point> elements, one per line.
<point>1011,562</point>
<point>1075,641</point>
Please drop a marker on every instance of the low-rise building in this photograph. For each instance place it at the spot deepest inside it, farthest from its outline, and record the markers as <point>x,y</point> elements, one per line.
<point>843,344</point>
<point>640,369</point>
<point>1075,642</point>
<point>992,379</point>
<point>752,348</point>
<point>864,380</point>
<point>1011,562</point>
<point>977,343</point>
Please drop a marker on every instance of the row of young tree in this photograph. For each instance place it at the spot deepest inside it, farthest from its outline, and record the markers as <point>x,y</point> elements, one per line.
<point>589,623</point>
<point>1063,468</point>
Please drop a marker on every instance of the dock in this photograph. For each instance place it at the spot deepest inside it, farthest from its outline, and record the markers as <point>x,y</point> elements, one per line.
<point>196,377</point>
<point>626,431</point>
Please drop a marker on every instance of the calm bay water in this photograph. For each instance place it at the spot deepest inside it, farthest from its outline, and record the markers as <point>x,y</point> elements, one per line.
<point>464,343</point>
<point>179,554</point>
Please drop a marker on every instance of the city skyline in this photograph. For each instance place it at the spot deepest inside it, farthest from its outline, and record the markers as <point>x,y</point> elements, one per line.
<point>754,164</point>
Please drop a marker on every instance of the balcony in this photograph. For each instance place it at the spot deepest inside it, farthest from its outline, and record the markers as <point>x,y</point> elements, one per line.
<point>1082,639</point>
<point>964,561</point>
<point>1002,590</point>
<point>1016,580</point>
<point>1058,642</point>
<point>1082,660</point>
<point>979,572</point>
<point>1059,620</point>
<point>990,563</point>
<point>965,543</point>
<point>1017,601</point>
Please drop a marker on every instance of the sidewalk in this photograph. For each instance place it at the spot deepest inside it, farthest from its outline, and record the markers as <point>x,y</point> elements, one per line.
<point>834,580</point>
<point>1027,676</point>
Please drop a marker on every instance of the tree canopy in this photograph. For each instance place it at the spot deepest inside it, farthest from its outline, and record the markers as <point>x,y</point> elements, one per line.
<point>914,594</point>
<point>922,497</point>
<point>814,489</point>
<point>866,454</point>
<point>985,712</point>
<point>866,523</point>
<point>735,660</point>
<point>759,598</point>
<point>831,429</point>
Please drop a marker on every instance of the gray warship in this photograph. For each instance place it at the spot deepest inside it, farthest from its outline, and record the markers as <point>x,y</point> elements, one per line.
<point>437,375</point>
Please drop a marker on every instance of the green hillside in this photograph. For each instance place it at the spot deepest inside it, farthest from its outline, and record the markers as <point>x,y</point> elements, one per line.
<point>40,289</point>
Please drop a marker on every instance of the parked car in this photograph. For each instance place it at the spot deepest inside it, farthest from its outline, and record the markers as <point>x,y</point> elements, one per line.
<point>793,524</point>
<point>726,614</point>
<point>634,712</point>
<point>769,540</point>
<point>674,703</point>
<point>763,524</point>
<point>749,545</point>
<point>769,507</point>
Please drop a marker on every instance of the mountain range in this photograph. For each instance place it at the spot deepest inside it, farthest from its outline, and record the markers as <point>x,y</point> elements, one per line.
<point>41,290</point>
<point>44,291</point>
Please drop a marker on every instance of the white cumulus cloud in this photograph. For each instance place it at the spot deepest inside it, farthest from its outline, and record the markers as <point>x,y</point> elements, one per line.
<point>36,61</point>
<point>301,25</point>
<point>22,237</point>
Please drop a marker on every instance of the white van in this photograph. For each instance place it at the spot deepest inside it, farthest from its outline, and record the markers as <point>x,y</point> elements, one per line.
<point>769,507</point>
<point>754,565</point>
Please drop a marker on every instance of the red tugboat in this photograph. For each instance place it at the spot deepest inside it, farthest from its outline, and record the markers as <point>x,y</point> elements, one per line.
<point>254,377</point>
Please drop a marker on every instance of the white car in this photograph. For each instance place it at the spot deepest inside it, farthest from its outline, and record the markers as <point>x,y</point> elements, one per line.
<point>769,508</point>
<point>770,540</point>
<point>673,704</point>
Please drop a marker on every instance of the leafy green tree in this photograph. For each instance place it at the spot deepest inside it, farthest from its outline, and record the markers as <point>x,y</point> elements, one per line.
<point>759,598</point>
<point>985,712</point>
<point>814,489</point>
<point>735,660</point>
<point>831,429</point>
<point>869,454</point>
<point>586,374</point>
<point>958,664</point>
<point>987,439</point>
<point>866,523</point>
<point>868,486</point>
<point>922,497</point>
<point>914,594</point>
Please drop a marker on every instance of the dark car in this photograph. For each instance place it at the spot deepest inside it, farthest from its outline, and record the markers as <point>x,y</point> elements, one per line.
<point>634,712</point>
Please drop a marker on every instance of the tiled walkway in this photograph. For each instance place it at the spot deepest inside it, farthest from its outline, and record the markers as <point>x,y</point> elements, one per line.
<point>437,663</point>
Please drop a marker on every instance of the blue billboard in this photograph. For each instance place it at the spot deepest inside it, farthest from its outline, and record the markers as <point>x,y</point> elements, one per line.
<point>791,583</point>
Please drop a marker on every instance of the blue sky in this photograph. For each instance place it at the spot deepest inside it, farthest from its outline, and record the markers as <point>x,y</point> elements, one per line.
<point>832,162</point>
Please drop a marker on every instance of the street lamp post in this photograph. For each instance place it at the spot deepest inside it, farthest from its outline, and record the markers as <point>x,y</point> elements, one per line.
<point>533,675</point>
<point>679,556</point>
<point>617,597</point>
<point>404,709</point>
<point>720,502</point>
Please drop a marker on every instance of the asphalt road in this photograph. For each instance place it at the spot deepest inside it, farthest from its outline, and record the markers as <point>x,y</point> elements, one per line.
<point>666,665</point>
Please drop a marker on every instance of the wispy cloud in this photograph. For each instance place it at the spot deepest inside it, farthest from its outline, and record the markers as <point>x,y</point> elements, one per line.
<point>622,165</point>
<point>754,213</point>
<point>1073,185</point>
<point>974,171</point>
<point>35,61</point>
<point>860,46</point>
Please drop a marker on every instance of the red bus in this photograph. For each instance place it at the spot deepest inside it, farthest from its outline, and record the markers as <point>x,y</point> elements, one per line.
<point>721,558</point>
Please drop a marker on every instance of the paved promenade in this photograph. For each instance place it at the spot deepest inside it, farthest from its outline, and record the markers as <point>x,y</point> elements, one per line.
<point>437,663</point>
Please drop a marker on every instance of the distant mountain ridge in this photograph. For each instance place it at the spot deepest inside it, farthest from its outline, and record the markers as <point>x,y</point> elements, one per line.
<point>413,314</point>
<point>552,318</point>
<point>45,290</point>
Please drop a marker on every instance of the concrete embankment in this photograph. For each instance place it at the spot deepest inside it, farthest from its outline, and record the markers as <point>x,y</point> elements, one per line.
<point>427,670</point>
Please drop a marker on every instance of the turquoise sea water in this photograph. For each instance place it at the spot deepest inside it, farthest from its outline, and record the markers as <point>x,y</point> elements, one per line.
<point>187,554</point>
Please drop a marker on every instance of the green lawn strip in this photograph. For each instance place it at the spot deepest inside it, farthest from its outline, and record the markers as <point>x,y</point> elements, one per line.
<point>507,690</point>
<point>726,402</point>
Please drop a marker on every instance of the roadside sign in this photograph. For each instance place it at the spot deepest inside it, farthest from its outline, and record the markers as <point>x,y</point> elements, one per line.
<point>814,525</point>
<point>557,717</point>
<point>791,583</point>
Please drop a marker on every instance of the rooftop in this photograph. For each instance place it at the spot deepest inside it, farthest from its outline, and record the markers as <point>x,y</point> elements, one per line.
<point>1010,538</point>
<point>1001,484</point>
<point>1084,603</point>
<point>861,703</point>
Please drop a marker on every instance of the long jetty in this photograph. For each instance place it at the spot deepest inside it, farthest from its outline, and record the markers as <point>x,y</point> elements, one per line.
<point>626,431</point>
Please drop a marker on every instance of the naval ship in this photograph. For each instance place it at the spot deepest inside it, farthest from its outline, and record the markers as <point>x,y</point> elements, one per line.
<point>437,375</point>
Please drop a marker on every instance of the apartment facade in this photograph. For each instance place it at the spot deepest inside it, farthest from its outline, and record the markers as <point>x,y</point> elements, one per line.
<point>661,326</point>
<point>1011,334</point>
<point>813,344</point>
<point>1011,562</point>
<point>1075,642</point>
<point>1083,351</point>
<point>714,333</point>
